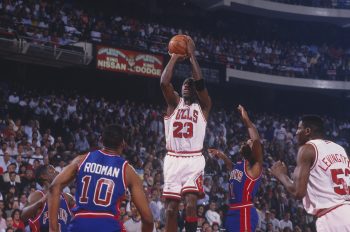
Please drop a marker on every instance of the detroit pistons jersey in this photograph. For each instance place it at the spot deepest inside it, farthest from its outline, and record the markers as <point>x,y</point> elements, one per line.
<point>100,185</point>
<point>242,187</point>
<point>329,181</point>
<point>185,129</point>
<point>41,222</point>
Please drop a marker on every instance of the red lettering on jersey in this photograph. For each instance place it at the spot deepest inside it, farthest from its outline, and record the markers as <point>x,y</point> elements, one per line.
<point>195,116</point>
<point>178,114</point>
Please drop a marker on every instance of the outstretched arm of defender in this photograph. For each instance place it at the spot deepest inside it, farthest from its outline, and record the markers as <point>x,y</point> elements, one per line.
<point>138,196</point>
<point>202,91</point>
<point>171,98</point>
<point>60,181</point>
<point>222,156</point>
<point>257,150</point>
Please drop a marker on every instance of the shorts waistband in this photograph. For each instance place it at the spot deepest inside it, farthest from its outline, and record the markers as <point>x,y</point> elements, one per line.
<point>240,205</point>
<point>89,214</point>
<point>184,153</point>
<point>323,212</point>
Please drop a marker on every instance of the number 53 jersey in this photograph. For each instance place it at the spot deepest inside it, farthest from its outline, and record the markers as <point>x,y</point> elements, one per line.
<point>329,181</point>
<point>185,129</point>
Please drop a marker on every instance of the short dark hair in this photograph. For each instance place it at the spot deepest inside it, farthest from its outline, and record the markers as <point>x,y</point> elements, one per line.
<point>314,122</point>
<point>41,170</point>
<point>112,136</point>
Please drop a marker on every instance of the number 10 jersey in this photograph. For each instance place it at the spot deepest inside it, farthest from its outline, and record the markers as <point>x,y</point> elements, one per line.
<point>185,129</point>
<point>329,181</point>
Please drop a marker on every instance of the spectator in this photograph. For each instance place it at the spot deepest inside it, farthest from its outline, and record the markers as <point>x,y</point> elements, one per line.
<point>285,222</point>
<point>211,215</point>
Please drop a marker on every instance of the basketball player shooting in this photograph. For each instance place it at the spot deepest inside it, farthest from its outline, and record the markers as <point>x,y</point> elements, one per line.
<point>185,124</point>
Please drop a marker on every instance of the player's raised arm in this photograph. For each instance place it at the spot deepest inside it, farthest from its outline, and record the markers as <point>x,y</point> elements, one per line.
<point>257,151</point>
<point>36,202</point>
<point>204,98</point>
<point>61,181</point>
<point>171,98</point>
<point>138,196</point>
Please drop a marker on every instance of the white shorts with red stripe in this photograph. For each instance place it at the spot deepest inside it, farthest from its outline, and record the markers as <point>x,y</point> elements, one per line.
<point>336,220</point>
<point>183,174</point>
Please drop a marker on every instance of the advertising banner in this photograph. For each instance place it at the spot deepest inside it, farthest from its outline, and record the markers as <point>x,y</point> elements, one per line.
<point>132,62</point>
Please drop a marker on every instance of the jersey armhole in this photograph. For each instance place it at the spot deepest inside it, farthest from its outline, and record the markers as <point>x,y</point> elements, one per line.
<point>124,174</point>
<point>316,151</point>
<point>81,164</point>
<point>41,211</point>
<point>168,117</point>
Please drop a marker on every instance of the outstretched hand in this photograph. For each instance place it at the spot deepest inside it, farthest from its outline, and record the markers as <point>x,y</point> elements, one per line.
<point>243,112</point>
<point>216,153</point>
<point>191,47</point>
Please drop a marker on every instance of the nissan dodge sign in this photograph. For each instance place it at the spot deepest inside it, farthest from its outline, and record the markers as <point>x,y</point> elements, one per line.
<point>138,63</point>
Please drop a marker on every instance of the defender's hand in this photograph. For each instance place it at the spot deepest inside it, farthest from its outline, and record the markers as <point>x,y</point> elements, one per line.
<point>216,153</point>
<point>243,112</point>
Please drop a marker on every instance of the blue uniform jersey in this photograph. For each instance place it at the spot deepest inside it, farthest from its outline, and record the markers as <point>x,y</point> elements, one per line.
<point>41,222</point>
<point>242,216</point>
<point>243,188</point>
<point>100,189</point>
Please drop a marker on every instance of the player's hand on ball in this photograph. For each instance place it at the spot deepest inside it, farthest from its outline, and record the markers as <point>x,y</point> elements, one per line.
<point>191,47</point>
<point>278,168</point>
<point>178,57</point>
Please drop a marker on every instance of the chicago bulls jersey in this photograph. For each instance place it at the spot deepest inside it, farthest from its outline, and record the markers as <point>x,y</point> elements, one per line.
<point>329,179</point>
<point>185,129</point>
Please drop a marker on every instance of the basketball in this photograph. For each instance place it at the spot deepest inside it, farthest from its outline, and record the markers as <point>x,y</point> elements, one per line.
<point>178,45</point>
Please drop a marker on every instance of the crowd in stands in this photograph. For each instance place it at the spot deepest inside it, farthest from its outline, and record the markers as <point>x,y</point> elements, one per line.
<point>53,129</point>
<point>339,4</point>
<point>57,23</point>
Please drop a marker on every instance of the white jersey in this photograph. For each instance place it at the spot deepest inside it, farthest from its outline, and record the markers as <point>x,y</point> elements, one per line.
<point>329,180</point>
<point>185,129</point>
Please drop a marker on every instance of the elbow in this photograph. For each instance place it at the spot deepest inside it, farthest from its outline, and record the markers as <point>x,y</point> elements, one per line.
<point>299,195</point>
<point>148,220</point>
<point>163,84</point>
<point>54,187</point>
<point>23,217</point>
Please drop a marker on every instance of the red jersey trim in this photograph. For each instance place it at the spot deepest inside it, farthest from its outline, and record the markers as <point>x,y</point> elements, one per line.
<point>88,214</point>
<point>42,210</point>
<point>124,174</point>
<point>103,151</point>
<point>316,151</point>
<point>249,176</point>
<point>240,205</point>
<point>81,164</point>
<point>323,212</point>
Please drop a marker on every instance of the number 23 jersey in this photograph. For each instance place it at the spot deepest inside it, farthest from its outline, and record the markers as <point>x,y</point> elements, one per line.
<point>329,180</point>
<point>185,128</point>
